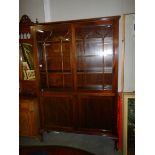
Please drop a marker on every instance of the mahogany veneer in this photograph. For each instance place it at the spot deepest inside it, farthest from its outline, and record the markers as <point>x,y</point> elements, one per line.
<point>76,65</point>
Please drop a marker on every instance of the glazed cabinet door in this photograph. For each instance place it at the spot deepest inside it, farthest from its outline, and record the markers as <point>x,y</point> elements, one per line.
<point>95,55</point>
<point>57,112</point>
<point>97,112</point>
<point>54,53</point>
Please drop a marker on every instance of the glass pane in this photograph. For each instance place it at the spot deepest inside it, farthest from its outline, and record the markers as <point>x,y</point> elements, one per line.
<point>94,47</point>
<point>108,62</point>
<point>108,54</point>
<point>54,57</point>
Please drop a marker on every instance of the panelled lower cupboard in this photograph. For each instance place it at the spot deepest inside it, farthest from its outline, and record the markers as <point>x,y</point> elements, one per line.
<point>77,72</point>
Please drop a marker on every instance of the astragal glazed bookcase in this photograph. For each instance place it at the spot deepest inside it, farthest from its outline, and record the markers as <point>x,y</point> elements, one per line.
<point>76,66</point>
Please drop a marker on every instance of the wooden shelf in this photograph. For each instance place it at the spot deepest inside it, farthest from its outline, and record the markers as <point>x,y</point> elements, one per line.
<point>96,87</point>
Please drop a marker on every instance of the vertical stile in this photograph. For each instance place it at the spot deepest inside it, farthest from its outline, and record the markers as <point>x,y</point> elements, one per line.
<point>74,56</point>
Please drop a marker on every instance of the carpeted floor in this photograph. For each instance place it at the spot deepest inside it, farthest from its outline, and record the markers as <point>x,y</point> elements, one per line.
<point>98,145</point>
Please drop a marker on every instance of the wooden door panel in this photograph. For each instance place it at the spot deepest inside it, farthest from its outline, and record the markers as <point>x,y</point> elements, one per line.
<point>28,117</point>
<point>24,123</point>
<point>58,111</point>
<point>97,112</point>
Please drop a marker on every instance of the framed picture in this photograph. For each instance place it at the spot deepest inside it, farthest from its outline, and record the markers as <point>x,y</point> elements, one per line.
<point>128,123</point>
<point>30,74</point>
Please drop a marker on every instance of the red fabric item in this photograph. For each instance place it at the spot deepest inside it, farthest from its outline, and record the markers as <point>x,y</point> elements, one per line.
<point>119,120</point>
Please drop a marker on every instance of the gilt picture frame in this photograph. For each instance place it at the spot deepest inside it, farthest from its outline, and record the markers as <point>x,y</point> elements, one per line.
<point>128,123</point>
<point>30,74</point>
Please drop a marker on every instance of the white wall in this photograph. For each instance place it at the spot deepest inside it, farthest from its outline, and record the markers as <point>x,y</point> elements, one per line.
<point>73,9</point>
<point>129,55</point>
<point>129,61</point>
<point>120,56</point>
<point>33,8</point>
<point>80,9</point>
